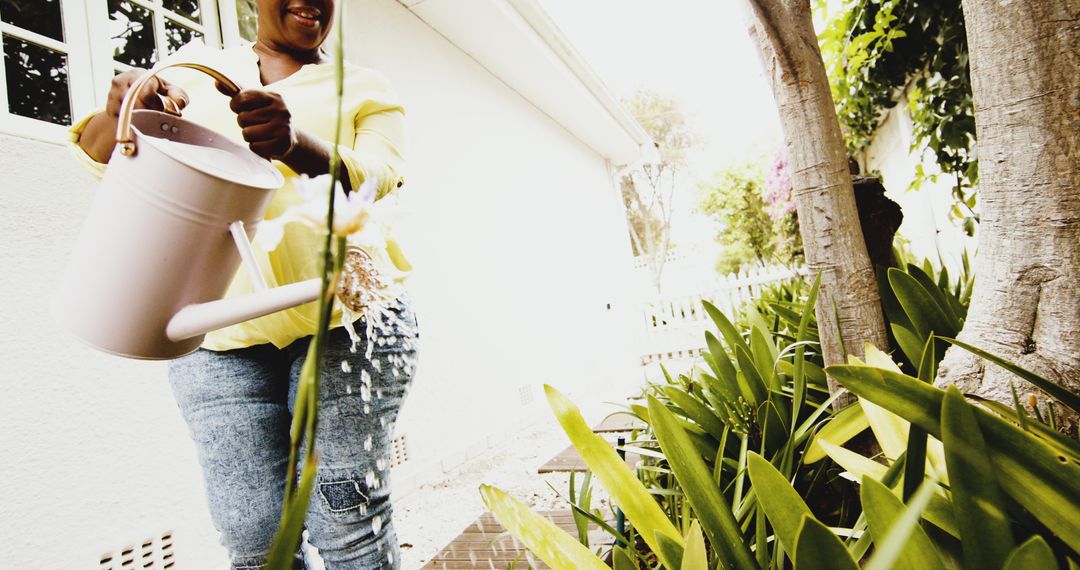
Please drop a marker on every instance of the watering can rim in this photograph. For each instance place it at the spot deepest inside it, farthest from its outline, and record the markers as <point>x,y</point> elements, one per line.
<point>233,147</point>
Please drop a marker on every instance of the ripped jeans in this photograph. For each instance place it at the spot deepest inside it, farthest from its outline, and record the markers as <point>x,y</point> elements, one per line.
<point>237,405</point>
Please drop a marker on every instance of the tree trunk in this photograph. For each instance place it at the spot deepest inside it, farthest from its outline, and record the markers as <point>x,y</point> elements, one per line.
<point>821,182</point>
<point>1025,78</point>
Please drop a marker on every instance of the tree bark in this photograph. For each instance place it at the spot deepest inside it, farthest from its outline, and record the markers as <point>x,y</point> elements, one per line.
<point>1025,78</point>
<point>821,182</point>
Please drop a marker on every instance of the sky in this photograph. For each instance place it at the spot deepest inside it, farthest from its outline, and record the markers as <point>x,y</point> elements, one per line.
<point>699,53</point>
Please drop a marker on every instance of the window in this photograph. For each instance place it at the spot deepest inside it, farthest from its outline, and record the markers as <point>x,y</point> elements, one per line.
<point>60,54</point>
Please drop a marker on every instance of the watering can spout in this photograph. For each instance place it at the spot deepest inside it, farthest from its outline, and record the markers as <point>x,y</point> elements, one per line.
<point>201,318</point>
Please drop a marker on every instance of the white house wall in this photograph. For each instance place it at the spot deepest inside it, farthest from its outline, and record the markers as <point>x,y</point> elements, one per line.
<point>519,245</point>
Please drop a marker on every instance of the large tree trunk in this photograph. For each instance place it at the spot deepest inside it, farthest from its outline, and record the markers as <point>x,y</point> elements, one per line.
<point>1025,78</point>
<point>828,219</point>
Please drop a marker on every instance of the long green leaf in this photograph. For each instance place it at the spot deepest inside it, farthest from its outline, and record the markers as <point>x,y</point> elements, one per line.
<point>756,384</point>
<point>883,512</point>
<point>915,465</point>
<point>287,537</point>
<point>895,543</point>
<point>727,329</point>
<point>1059,393</point>
<point>694,553</point>
<point>782,504</point>
<point>920,306</point>
<point>670,550</point>
<point>616,477</point>
<point>1033,553</point>
<point>708,503</point>
<point>722,366</point>
<point>844,425</point>
<point>984,527</point>
<point>909,341</point>
<point>547,541</point>
<point>935,291</point>
<point>696,411</point>
<point>817,548</point>
<point>1033,473</point>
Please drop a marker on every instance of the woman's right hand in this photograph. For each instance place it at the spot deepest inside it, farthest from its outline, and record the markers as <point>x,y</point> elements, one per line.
<point>99,136</point>
<point>149,98</point>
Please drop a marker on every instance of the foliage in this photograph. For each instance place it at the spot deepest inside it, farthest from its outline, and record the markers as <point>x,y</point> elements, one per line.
<point>649,190</point>
<point>756,215</point>
<point>986,492</point>
<point>920,301</point>
<point>874,49</point>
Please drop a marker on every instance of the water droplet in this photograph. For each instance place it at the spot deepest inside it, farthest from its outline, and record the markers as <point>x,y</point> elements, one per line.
<point>345,367</point>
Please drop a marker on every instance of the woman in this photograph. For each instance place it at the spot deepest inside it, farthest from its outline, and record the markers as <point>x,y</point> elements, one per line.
<point>236,392</point>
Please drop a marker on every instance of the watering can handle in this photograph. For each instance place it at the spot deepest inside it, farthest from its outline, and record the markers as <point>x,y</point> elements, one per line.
<point>124,136</point>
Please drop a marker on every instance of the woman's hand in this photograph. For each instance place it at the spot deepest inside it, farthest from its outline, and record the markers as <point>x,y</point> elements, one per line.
<point>266,122</point>
<point>268,129</point>
<point>99,136</point>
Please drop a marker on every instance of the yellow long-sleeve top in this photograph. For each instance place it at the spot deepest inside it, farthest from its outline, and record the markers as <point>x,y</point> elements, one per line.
<point>372,137</point>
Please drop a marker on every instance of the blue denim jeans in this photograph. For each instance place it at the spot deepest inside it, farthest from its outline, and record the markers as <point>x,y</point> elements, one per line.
<point>238,405</point>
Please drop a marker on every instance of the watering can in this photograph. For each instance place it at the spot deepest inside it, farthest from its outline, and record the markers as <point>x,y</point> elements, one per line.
<point>168,229</point>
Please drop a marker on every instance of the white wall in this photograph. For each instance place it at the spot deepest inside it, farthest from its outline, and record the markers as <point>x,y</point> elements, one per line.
<point>926,211</point>
<point>519,245</point>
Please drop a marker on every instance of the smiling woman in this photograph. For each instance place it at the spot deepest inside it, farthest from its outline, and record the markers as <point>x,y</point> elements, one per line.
<point>237,391</point>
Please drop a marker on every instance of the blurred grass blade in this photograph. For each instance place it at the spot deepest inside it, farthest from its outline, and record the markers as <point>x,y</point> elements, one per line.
<point>984,527</point>
<point>896,542</point>
<point>616,477</point>
<point>883,511</point>
<point>1059,393</point>
<point>287,538</point>
<point>818,548</point>
<point>1033,553</point>
<point>694,553</point>
<point>782,504</point>
<point>547,541</point>
<point>701,493</point>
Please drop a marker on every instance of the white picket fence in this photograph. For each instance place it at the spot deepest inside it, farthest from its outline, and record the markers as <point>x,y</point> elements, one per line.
<point>675,326</point>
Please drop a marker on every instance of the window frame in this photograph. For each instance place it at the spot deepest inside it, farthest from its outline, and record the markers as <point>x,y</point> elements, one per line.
<point>90,65</point>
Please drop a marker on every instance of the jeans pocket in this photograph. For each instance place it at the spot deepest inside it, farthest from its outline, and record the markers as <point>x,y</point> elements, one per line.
<point>344,495</point>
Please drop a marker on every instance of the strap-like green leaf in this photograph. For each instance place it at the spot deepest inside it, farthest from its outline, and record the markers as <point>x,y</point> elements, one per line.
<point>616,477</point>
<point>817,548</point>
<point>753,379</point>
<point>696,411</point>
<point>727,329</point>
<point>1033,553</point>
<point>694,553</point>
<point>920,306</point>
<point>1059,393</point>
<point>844,425</point>
<point>709,504</point>
<point>782,504</point>
<point>1043,480</point>
<point>883,511</point>
<point>547,541</point>
<point>979,505</point>
<point>893,547</point>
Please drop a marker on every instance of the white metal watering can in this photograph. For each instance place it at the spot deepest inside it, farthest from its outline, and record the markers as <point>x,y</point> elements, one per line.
<point>167,231</point>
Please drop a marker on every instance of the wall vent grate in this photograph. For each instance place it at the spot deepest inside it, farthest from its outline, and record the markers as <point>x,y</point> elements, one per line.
<point>399,451</point>
<point>526,394</point>
<point>154,553</point>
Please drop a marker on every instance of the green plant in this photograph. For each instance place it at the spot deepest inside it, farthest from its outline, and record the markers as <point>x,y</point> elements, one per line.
<point>920,301</point>
<point>873,50</point>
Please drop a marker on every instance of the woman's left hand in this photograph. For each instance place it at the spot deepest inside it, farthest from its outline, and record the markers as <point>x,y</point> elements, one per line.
<point>266,122</point>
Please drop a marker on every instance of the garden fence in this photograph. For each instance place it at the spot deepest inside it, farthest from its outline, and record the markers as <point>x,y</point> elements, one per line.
<point>675,326</point>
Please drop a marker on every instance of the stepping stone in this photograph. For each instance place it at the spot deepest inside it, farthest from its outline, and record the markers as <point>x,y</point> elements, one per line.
<point>570,460</point>
<point>486,544</point>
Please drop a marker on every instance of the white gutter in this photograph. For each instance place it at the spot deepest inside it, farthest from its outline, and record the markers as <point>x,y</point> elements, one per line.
<point>549,31</point>
<point>517,42</point>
